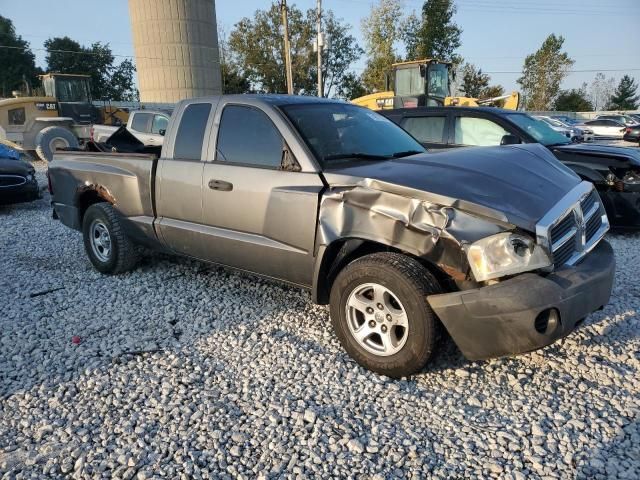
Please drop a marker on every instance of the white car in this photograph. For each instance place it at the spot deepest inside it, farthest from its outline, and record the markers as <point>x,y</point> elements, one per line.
<point>558,127</point>
<point>605,128</point>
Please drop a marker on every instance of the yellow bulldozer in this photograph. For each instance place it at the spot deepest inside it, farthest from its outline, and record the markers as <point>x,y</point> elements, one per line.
<point>427,83</point>
<point>60,118</point>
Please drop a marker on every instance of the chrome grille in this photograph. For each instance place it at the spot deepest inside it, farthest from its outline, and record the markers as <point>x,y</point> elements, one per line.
<point>574,226</point>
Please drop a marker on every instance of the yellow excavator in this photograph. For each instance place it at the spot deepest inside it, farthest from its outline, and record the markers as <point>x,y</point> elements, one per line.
<point>427,83</point>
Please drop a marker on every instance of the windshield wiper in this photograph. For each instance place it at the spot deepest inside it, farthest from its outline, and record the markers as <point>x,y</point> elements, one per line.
<point>358,155</point>
<point>406,153</point>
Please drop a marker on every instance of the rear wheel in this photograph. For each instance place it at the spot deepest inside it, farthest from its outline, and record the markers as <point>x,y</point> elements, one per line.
<point>107,246</point>
<point>380,313</point>
<point>51,139</point>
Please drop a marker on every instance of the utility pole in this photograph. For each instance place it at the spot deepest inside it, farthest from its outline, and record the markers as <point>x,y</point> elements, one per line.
<point>287,46</point>
<point>319,45</point>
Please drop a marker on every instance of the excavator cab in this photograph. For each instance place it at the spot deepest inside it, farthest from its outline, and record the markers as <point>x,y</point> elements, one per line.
<point>426,83</point>
<point>422,83</point>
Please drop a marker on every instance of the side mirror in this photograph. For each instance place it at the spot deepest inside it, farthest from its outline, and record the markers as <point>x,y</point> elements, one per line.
<point>162,132</point>
<point>509,140</point>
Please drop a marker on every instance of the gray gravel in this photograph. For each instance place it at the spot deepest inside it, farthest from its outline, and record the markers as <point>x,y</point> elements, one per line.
<point>188,371</point>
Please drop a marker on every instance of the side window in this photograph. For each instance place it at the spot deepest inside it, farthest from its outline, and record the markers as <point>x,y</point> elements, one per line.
<point>247,136</point>
<point>425,129</point>
<point>160,122</point>
<point>478,131</point>
<point>140,122</point>
<point>17,116</point>
<point>190,135</point>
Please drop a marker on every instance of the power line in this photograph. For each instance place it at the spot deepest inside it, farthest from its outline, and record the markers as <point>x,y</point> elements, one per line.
<point>595,70</point>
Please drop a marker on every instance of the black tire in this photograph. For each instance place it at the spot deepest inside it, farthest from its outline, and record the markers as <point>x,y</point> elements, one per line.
<point>122,255</point>
<point>411,283</point>
<point>49,136</point>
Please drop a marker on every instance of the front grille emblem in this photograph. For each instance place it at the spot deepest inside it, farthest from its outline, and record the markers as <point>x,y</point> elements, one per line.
<point>581,226</point>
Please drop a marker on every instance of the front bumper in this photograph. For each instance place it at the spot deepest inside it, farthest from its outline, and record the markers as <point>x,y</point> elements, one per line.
<point>499,319</point>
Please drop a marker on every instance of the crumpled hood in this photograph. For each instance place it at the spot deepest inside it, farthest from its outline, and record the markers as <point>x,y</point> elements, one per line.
<point>10,166</point>
<point>522,182</point>
<point>625,154</point>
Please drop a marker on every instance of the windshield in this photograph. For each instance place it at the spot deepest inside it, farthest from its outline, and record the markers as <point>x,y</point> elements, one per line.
<point>337,132</point>
<point>409,81</point>
<point>438,80</point>
<point>538,129</point>
<point>71,89</point>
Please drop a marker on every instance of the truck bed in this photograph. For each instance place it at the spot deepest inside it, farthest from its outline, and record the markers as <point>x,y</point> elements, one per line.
<point>124,179</point>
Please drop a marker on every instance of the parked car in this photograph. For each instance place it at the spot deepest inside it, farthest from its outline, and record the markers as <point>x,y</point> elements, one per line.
<point>335,198</point>
<point>566,120</point>
<point>615,171</point>
<point>558,127</point>
<point>148,126</point>
<point>606,128</point>
<point>620,118</point>
<point>632,133</point>
<point>17,178</point>
<point>577,134</point>
<point>587,133</point>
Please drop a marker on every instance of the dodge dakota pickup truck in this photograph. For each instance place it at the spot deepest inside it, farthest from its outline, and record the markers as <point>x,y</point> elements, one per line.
<point>503,246</point>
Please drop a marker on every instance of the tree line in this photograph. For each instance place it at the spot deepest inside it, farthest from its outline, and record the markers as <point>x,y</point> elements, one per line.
<point>110,80</point>
<point>252,59</point>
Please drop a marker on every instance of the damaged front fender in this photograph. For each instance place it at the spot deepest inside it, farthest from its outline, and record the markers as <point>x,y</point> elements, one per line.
<point>431,230</point>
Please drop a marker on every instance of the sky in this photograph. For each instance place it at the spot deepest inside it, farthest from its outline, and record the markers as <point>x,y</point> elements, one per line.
<point>601,35</point>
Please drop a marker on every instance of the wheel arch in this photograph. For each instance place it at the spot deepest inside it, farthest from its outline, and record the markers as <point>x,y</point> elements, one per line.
<point>332,258</point>
<point>90,196</point>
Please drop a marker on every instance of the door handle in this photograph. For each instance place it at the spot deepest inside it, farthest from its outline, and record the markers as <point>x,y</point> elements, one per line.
<point>220,185</point>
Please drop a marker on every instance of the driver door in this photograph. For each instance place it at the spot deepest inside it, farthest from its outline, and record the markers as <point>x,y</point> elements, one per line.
<point>259,209</point>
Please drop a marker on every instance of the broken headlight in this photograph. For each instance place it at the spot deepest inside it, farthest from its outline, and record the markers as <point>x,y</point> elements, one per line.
<point>505,254</point>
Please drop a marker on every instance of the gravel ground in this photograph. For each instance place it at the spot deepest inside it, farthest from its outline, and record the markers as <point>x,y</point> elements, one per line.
<point>188,371</point>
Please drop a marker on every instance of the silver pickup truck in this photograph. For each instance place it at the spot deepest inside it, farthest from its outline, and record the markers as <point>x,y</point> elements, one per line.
<point>502,245</point>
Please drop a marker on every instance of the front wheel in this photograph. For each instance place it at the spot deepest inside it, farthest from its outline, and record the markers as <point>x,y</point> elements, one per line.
<point>107,246</point>
<point>380,313</point>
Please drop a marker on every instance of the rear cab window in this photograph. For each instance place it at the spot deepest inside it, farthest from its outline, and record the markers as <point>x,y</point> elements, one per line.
<point>190,134</point>
<point>140,122</point>
<point>426,129</point>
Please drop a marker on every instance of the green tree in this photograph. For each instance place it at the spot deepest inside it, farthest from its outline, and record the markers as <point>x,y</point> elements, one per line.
<point>574,100</point>
<point>257,45</point>
<point>108,81</point>
<point>381,30</point>
<point>233,77</point>
<point>351,87</point>
<point>625,97</point>
<point>434,34</point>
<point>409,34</point>
<point>18,71</point>
<point>341,52</point>
<point>473,81</point>
<point>543,73</point>
<point>254,54</point>
<point>121,84</point>
<point>601,91</point>
<point>492,91</point>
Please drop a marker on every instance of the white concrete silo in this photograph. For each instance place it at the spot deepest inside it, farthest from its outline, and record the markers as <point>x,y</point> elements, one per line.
<point>176,48</point>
